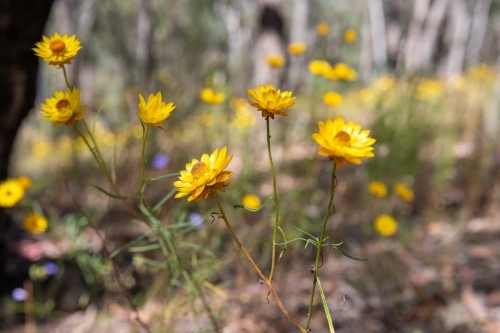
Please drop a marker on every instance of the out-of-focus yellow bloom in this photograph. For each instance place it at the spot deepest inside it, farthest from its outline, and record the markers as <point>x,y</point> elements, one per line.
<point>271,101</point>
<point>429,89</point>
<point>34,223</point>
<point>332,98</point>
<point>137,131</point>
<point>11,192</point>
<point>244,115</point>
<point>202,178</point>
<point>25,181</point>
<point>343,142</point>
<point>350,35</point>
<point>384,83</point>
<point>209,96</point>
<point>481,73</point>
<point>155,111</point>
<point>368,95</point>
<point>386,225</point>
<point>63,108</point>
<point>41,148</point>
<point>322,28</point>
<point>377,189</point>
<point>275,60</point>
<point>251,201</point>
<point>404,192</point>
<point>58,50</point>
<point>208,119</point>
<point>319,67</point>
<point>340,72</point>
<point>296,48</point>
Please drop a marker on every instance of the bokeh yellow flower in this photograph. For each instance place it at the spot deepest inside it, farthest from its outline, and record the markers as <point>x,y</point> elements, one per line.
<point>245,117</point>
<point>322,28</point>
<point>404,192</point>
<point>34,223</point>
<point>386,225</point>
<point>155,111</point>
<point>11,192</point>
<point>205,176</point>
<point>343,142</point>
<point>429,89</point>
<point>271,101</point>
<point>332,98</point>
<point>319,67</point>
<point>275,60</point>
<point>377,189</point>
<point>384,83</point>
<point>296,48</point>
<point>340,71</point>
<point>209,96</point>
<point>25,181</point>
<point>63,108</point>
<point>251,201</point>
<point>350,36</point>
<point>58,50</point>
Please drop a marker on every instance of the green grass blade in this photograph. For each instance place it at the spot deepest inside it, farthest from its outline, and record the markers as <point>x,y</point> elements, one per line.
<point>325,306</point>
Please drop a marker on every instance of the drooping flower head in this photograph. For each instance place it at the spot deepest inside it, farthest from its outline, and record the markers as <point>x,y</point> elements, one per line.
<point>296,48</point>
<point>386,225</point>
<point>251,201</point>
<point>343,142</point>
<point>205,176</point>
<point>11,192</point>
<point>209,96</point>
<point>155,111</point>
<point>34,223</point>
<point>63,107</point>
<point>271,101</point>
<point>275,60</point>
<point>58,50</point>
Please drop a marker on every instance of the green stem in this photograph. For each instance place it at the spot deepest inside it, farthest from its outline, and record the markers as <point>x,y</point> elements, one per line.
<point>264,279</point>
<point>275,197</point>
<point>65,77</point>
<point>320,245</point>
<point>143,154</point>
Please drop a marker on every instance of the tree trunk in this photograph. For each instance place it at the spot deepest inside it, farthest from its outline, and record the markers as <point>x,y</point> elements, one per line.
<point>478,31</point>
<point>459,33</point>
<point>378,35</point>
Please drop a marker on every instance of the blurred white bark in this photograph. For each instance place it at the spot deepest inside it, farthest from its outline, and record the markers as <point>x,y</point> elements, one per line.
<point>420,10</point>
<point>460,24</point>
<point>378,36</point>
<point>478,31</point>
<point>365,66</point>
<point>298,35</point>
<point>430,35</point>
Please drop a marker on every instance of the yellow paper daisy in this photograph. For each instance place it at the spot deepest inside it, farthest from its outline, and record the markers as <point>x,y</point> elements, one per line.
<point>343,142</point>
<point>319,67</point>
<point>350,35</point>
<point>332,98</point>
<point>11,192</point>
<point>340,71</point>
<point>209,96</point>
<point>296,48</point>
<point>271,101</point>
<point>404,192</point>
<point>386,225</point>
<point>155,111</point>
<point>34,223</point>
<point>205,176</point>
<point>58,50</point>
<point>63,107</point>
<point>25,181</point>
<point>322,28</point>
<point>275,61</point>
<point>377,189</point>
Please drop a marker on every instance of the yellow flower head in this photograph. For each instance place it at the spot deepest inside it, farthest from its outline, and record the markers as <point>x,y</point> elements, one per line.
<point>340,72</point>
<point>343,142</point>
<point>155,110</point>
<point>202,178</point>
<point>386,225</point>
<point>384,83</point>
<point>244,115</point>
<point>251,201</point>
<point>11,192</point>
<point>275,61</point>
<point>63,107</point>
<point>211,97</point>
<point>319,67</point>
<point>350,35</point>
<point>377,189</point>
<point>34,223</point>
<point>404,192</point>
<point>296,48</point>
<point>429,89</point>
<point>25,182</point>
<point>322,28</point>
<point>332,98</point>
<point>271,101</point>
<point>58,50</point>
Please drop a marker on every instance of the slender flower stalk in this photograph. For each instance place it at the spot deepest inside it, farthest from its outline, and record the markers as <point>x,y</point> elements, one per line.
<point>65,76</point>
<point>145,135</point>
<point>331,207</point>
<point>264,279</point>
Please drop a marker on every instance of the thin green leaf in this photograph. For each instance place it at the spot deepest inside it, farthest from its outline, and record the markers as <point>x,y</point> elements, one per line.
<point>165,199</point>
<point>119,197</point>
<point>162,177</point>
<point>316,238</point>
<point>129,244</point>
<point>145,248</point>
<point>284,238</point>
<point>325,307</point>
<point>254,209</point>
<point>346,254</point>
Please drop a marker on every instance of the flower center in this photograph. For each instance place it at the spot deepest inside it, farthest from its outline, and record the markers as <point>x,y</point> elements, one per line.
<point>57,45</point>
<point>63,104</point>
<point>342,138</point>
<point>199,169</point>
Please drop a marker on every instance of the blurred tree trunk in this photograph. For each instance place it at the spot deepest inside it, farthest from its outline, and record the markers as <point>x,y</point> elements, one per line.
<point>458,35</point>
<point>478,31</point>
<point>298,35</point>
<point>420,10</point>
<point>430,34</point>
<point>21,25</point>
<point>378,35</point>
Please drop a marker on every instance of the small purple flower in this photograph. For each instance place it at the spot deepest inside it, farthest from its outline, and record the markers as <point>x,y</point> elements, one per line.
<point>19,294</point>
<point>160,161</point>
<point>50,268</point>
<point>196,220</point>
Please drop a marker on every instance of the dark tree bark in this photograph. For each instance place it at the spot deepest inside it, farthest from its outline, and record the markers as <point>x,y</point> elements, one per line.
<point>21,26</point>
